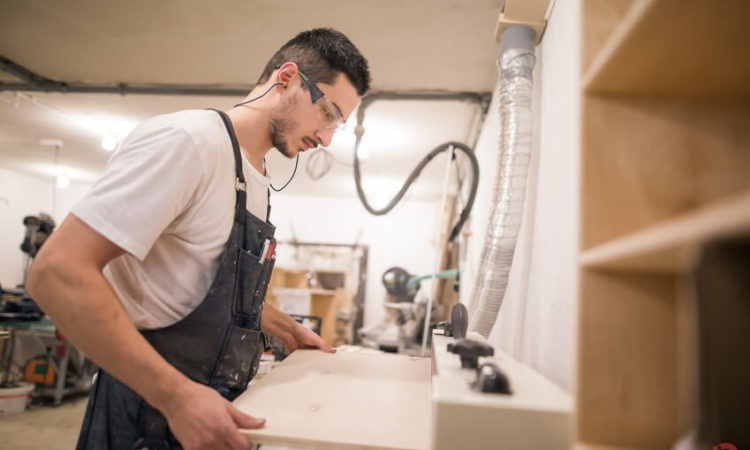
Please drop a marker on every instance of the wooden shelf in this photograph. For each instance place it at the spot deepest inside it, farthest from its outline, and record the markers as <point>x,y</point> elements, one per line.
<point>669,246</point>
<point>588,446</point>
<point>323,292</point>
<point>600,18</point>
<point>685,48</point>
<point>665,120</point>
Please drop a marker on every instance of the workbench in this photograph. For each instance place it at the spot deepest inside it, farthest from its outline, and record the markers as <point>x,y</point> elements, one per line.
<point>362,398</point>
<point>38,329</point>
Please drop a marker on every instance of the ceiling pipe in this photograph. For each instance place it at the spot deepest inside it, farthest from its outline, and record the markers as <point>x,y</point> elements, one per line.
<point>33,82</point>
<point>124,89</point>
<point>482,99</point>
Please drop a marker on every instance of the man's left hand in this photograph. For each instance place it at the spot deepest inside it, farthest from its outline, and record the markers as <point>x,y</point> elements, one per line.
<point>293,334</point>
<point>303,337</point>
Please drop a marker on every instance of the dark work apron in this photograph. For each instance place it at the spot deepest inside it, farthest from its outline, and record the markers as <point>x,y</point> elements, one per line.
<point>218,344</point>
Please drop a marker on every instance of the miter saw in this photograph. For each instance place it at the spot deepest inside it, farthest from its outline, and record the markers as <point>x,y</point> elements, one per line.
<point>401,332</point>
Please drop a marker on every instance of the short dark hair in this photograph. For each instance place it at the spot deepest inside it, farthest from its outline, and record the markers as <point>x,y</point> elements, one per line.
<point>321,54</point>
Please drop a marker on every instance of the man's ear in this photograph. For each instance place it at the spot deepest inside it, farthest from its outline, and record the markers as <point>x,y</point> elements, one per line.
<point>286,72</point>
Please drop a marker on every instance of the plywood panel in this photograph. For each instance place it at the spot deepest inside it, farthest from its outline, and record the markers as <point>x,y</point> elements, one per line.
<point>354,399</point>
<point>600,18</point>
<point>686,315</point>
<point>665,163</point>
<point>627,394</point>
<point>671,245</point>
<point>678,48</point>
<point>646,160</point>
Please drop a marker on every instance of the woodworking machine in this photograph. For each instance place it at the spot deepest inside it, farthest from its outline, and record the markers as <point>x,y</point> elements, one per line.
<point>483,399</point>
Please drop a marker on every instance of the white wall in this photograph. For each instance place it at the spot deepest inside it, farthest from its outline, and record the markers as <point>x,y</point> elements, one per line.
<point>537,321</point>
<point>23,195</point>
<point>405,237</point>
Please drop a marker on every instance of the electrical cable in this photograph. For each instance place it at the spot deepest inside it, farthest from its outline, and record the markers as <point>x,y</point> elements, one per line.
<point>296,163</point>
<point>315,168</point>
<point>413,176</point>
<point>260,96</point>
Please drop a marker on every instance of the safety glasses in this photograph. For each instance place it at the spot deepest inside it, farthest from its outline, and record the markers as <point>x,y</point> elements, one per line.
<point>329,112</point>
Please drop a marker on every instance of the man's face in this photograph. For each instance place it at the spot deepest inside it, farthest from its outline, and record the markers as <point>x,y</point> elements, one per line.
<point>297,124</point>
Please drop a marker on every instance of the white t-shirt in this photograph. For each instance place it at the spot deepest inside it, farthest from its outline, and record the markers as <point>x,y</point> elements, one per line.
<point>167,198</point>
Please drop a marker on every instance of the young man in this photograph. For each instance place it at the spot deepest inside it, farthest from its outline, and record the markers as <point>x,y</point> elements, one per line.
<point>159,274</point>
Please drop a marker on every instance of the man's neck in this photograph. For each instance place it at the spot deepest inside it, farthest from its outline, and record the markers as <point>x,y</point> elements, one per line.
<point>252,126</point>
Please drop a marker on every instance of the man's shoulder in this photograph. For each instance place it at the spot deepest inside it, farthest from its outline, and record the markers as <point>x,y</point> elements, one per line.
<point>200,127</point>
<point>190,120</point>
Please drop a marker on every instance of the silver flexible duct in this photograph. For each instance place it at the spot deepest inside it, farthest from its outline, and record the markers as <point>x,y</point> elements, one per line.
<point>515,65</point>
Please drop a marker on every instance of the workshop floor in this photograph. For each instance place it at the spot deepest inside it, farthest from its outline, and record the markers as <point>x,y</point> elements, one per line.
<point>52,427</point>
<point>44,427</point>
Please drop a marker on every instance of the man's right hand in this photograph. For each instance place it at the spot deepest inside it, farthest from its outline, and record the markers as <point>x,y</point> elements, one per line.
<point>200,418</point>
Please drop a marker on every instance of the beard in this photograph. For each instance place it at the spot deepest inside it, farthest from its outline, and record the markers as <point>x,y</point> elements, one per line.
<point>281,124</point>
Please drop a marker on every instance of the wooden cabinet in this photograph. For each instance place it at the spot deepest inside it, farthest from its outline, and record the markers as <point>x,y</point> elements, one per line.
<point>665,154</point>
<point>324,303</point>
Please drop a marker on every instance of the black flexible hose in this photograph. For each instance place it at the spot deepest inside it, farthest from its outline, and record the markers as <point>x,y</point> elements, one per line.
<point>413,176</point>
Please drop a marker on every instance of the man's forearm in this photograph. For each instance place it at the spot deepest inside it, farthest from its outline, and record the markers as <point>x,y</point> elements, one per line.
<point>82,304</point>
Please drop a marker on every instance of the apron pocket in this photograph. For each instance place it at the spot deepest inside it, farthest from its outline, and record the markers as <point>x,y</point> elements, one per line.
<point>262,287</point>
<point>253,283</point>
<point>249,273</point>
<point>240,358</point>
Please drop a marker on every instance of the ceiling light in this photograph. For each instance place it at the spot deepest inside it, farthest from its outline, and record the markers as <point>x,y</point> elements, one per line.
<point>63,181</point>
<point>109,142</point>
<point>363,151</point>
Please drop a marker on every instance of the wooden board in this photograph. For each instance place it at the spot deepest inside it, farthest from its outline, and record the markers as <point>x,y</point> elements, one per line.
<point>627,360</point>
<point>672,245</point>
<point>354,399</point>
<point>600,20</point>
<point>685,48</point>
<point>665,163</point>
<point>647,160</point>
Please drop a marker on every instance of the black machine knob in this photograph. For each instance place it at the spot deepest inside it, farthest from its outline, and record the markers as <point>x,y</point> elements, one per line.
<point>470,351</point>
<point>491,379</point>
<point>459,320</point>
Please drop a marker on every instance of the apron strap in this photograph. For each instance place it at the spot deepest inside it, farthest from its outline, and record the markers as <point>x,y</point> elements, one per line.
<point>268,202</point>
<point>239,184</point>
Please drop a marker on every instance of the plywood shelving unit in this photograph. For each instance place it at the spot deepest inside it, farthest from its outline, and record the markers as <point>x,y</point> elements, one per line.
<point>324,303</point>
<point>665,168</point>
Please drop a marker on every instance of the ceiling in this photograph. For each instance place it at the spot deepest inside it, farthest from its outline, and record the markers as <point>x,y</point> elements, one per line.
<point>412,45</point>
